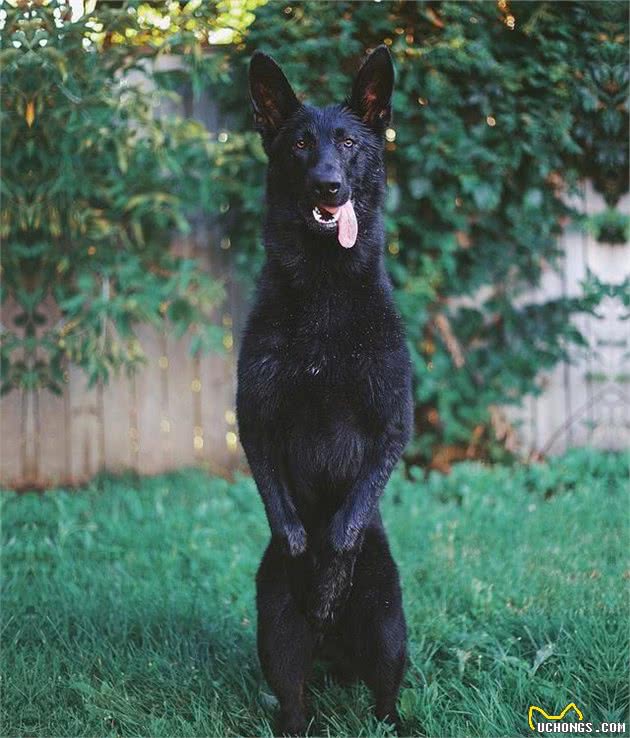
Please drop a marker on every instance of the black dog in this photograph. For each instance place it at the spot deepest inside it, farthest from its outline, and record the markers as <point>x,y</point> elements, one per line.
<point>324,392</point>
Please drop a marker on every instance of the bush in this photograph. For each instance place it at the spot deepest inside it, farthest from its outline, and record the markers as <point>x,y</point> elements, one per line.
<point>94,184</point>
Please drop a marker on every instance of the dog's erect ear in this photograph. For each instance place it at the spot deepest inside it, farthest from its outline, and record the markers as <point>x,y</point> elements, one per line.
<point>372,90</point>
<point>272,97</point>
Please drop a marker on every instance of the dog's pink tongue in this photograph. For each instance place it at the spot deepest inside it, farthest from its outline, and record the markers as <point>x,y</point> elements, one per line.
<point>347,228</point>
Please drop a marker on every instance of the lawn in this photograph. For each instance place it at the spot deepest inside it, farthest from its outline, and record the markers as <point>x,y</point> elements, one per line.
<point>128,605</point>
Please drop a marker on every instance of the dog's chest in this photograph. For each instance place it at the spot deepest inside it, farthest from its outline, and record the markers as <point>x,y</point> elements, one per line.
<point>309,363</point>
<point>328,346</point>
<point>320,361</point>
<point>323,371</point>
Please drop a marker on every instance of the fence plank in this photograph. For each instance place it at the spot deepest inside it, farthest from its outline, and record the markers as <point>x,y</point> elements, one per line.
<point>53,442</point>
<point>153,447</point>
<point>578,414</point>
<point>85,431</point>
<point>218,411</point>
<point>183,385</point>
<point>11,435</point>
<point>116,414</point>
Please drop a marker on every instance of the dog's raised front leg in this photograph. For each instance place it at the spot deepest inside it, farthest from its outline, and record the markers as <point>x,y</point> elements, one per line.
<point>357,509</point>
<point>284,521</point>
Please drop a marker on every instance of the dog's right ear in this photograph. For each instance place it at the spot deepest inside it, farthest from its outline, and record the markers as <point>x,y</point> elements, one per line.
<point>372,91</point>
<point>272,97</point>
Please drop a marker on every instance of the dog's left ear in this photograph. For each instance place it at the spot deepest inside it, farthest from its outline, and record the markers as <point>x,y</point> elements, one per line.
<point>372,90</point>
<point>272,97</point>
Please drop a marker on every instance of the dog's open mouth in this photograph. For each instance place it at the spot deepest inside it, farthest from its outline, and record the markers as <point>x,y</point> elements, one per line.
<point>326,217</point>
<point>341,217</point>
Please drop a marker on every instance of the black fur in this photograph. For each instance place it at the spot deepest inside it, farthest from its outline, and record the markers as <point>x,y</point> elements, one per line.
<point>324,395</point>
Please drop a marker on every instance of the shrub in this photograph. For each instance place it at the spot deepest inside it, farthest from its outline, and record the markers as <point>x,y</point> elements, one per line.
<point>94,185</point>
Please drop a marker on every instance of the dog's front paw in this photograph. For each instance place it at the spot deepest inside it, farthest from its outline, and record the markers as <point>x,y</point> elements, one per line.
<point>344,538</point>
<point>295,539</point>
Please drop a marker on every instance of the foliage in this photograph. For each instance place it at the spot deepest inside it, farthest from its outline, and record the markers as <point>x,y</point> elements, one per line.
<point>94,185</point>
<point>610,226</point>
<point>499,111</point>
<point>128,606</point>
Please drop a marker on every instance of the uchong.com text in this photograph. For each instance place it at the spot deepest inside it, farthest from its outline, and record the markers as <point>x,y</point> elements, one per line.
<point>580,727</point>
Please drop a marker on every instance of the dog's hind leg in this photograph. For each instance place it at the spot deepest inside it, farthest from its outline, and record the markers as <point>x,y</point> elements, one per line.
<point>374,624</point>
<point>285,640</point>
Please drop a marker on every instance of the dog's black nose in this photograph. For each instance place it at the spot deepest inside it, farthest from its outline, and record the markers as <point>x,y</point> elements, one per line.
<point>323,189</point>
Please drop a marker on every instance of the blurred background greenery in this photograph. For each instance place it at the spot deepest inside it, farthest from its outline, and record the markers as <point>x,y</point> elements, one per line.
<point>501,110</point>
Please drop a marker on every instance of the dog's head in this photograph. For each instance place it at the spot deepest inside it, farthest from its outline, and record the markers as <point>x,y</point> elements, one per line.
<point>325,164</point>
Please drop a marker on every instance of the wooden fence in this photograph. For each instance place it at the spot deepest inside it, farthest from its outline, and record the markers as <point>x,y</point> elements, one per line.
<point>585,401</point>
<point>176,411</point>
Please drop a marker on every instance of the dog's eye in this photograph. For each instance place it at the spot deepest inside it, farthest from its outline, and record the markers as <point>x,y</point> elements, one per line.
<point>300,143</point>
<point>348,142</point>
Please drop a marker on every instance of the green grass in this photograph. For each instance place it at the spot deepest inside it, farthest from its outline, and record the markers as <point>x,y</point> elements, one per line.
<point>128,606</point>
